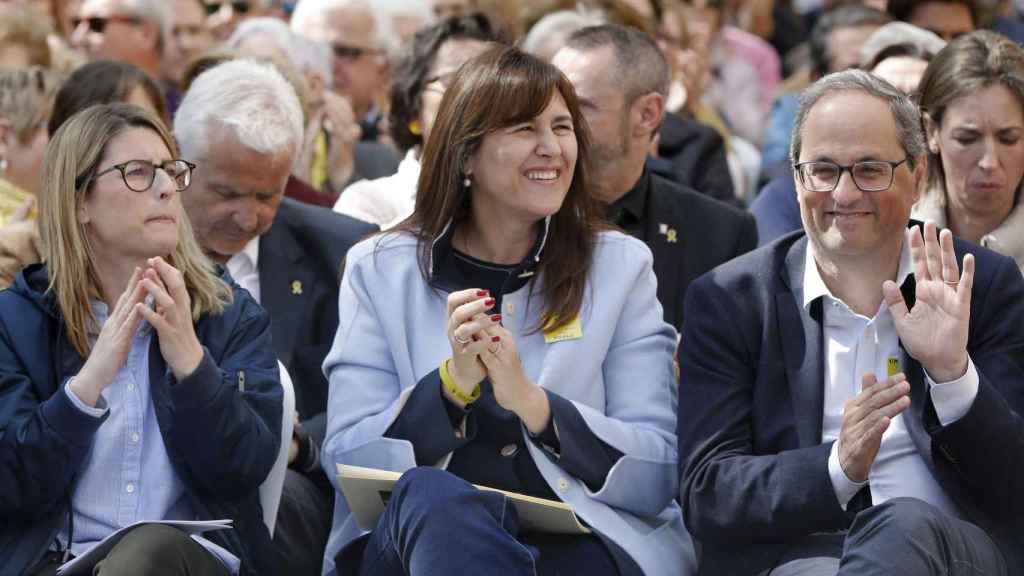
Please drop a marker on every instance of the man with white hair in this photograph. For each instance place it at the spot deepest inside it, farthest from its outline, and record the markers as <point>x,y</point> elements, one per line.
<point>359,33</point>
<point>241,124</point>
<point>132,31</point>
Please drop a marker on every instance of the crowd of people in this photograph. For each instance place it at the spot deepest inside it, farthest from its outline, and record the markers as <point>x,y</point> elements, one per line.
<point>740,283</point>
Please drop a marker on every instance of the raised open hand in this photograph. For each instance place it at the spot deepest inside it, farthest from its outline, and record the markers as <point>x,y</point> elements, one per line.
<point>935,331</point>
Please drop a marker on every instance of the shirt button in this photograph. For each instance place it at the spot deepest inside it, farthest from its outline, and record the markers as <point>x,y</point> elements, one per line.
<point>563,484</point>
<point>459,434</point>
<point>509,450</point>
<point>129,488</point>
<point>135,437</point>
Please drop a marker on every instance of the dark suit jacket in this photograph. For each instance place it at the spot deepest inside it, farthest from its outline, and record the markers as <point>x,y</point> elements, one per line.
<point>754,469</point>
<point>696,153</point>
<point>300,266</point>
<point>687,232</point>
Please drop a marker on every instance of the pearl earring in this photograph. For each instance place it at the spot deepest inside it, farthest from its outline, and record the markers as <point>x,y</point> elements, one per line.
<point>467,182</point>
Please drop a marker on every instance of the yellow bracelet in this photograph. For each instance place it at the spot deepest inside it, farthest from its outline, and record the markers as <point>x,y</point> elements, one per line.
<point>449,385</point>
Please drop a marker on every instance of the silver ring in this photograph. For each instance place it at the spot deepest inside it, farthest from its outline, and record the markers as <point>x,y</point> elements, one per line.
<point>460,340</point>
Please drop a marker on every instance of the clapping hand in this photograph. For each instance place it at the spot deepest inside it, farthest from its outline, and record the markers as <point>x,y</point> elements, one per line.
<point>171,317</point>
<point>467,322</point>
<point>935,331</point>
<point>111,349</point>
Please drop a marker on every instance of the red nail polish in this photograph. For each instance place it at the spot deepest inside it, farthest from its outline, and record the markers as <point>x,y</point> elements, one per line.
<point>496,318</point>
<point>495,338</point>
<point>489,302</point>
<point>481,293</point>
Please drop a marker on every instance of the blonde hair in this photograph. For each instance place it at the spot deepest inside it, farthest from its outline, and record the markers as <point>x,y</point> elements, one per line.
<point>72,157</point>
<point>29,28</point>
<point>26,98</point>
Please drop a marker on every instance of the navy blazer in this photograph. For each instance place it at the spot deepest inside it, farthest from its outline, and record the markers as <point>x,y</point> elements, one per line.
<point>754,469</point>
<point>300,265</point>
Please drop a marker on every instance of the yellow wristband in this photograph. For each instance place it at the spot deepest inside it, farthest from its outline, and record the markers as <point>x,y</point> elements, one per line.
<point>449,385</point>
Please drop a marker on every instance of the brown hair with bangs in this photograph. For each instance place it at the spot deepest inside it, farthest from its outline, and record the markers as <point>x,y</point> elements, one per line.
<point>499,88</point>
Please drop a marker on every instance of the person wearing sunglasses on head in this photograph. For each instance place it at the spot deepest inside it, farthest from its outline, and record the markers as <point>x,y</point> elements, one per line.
<point>135,378</point>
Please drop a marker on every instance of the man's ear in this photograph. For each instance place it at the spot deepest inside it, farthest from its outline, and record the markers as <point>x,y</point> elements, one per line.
<point>920,175</point>
<point>647,111</point>
<point>151,36</point>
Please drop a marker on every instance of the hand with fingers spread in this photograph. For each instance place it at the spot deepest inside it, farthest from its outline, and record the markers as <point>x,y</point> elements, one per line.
<point>171,317</point>
<point>110,351</point>
<point>513,389</point>
<point>468,321</point>
<point>935,331</point>
<point>866,417</point>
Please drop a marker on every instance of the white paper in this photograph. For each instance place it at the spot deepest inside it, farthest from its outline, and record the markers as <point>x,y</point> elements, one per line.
<point>85,563</point>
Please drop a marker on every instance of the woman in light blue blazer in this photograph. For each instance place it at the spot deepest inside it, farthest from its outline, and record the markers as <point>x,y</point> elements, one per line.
<point>503,336</point>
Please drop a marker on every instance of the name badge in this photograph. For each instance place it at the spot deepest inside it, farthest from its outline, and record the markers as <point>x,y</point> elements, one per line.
<point>893,366</point>
<point>570,331</point>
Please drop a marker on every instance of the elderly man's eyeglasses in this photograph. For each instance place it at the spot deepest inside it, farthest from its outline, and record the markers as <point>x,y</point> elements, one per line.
<point>139,175</point>
<point>868,175</point>
<point>98,24</point>
<point>238,6</point>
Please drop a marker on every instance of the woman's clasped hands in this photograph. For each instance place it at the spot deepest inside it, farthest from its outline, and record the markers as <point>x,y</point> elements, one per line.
<point>483,348</point>
<point>170,315</point>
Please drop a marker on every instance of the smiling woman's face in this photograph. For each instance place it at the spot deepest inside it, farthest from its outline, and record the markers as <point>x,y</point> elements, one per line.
<point>981,145</point>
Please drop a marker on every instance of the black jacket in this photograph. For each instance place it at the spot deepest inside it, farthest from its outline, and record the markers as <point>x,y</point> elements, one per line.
<point>300,265</point>
<point>687,232</point>
<point>221,425</point>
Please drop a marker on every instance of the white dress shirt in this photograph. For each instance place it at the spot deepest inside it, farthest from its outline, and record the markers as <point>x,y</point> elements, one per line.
<point>856,345</point>
<point>244,268</point>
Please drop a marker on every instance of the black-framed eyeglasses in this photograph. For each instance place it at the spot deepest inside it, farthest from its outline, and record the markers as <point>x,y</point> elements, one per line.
<point>868,175</point>
<point>238,6</point>
<point>347,52</point>
<point>98,24</point>
<point>139,175</point>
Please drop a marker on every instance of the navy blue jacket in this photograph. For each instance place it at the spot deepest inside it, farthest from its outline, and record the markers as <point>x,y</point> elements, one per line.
<point>221,425</point>
<point>754,469</point>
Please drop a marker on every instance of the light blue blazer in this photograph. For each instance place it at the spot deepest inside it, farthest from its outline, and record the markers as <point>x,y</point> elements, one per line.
<point>619,375</point>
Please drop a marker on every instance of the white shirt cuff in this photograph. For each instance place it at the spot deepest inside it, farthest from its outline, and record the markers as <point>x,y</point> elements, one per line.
<point>845,488</point>
<point>96,412</point>
<point>954,399</point>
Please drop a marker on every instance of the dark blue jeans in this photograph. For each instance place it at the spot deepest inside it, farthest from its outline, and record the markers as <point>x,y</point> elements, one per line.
<point>437,523</point>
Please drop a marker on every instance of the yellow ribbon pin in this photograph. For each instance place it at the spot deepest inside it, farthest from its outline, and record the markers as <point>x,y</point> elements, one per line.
<point>296,287</point>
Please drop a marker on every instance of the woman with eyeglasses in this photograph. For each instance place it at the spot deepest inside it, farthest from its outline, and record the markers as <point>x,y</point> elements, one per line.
<point>420,80</point>
<point>136,384</point>
<point>503,336</point>
<point>972,102</point>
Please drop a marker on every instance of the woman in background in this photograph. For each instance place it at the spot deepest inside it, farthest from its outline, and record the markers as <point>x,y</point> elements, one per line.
<point>972,101</point>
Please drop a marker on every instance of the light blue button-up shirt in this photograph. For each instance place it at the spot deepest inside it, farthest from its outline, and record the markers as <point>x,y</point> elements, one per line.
<point>128,476</point>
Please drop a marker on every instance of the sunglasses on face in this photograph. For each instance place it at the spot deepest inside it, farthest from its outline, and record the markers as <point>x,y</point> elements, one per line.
<point>346,52</point>
<point>98,24</point>
<point>238,6</point>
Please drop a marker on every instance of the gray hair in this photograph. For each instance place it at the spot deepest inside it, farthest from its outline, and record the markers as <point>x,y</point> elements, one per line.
<point>904,112</point>
<point>155,11</point>
<point>555,28</point>
<point>251,99</point>
<point>305,55</point>
<point>386,40</point>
